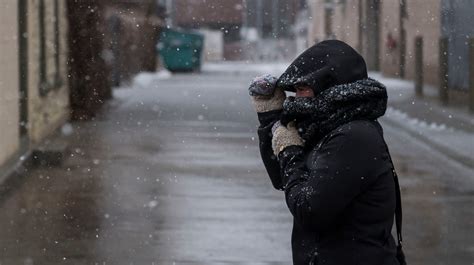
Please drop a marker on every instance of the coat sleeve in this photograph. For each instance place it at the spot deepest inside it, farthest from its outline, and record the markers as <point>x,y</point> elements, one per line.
<point>267,119</point>
<point>317,197</point>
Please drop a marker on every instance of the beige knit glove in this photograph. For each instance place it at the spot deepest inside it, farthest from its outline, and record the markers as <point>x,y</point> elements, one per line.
<point>284,137</point>
<point>265,95</point>
<point>269,103</point>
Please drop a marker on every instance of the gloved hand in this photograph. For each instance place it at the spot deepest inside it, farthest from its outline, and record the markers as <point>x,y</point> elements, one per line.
<point>284,137</point>
<point>265,96</point>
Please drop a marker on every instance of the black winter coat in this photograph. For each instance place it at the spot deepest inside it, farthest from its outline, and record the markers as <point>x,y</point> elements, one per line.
<point>341,193</point>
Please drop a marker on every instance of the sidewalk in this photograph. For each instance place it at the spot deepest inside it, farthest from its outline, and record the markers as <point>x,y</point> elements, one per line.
<point>447,129</point>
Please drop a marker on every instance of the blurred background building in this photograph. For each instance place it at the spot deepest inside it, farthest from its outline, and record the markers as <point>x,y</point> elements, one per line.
<point>34,98</point>
<point>110,42</point>
<point>219,21</point>
<point>66,56</point>
<point>62,60</point>
<point>404,38</point>
<point>274,29</point>
<point>248,29</point>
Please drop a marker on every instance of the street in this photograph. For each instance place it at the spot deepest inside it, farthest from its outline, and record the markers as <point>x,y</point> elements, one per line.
<point>170,173</point>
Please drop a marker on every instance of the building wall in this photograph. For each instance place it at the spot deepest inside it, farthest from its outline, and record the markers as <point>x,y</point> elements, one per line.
<point>346,22</point>
<point>276,17</point>
<point>316,31</point>
<point>215,13</point>
<point>341,20</point>
<point>88,71</point>
<point>390,54</point>
<point>424,20</point>
<point>213,44</point>
<point>47,111</point>
<point>134,28</point>
<point>9,80</point>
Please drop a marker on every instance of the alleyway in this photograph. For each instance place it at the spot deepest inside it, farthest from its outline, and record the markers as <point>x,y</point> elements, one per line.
<point>170,173</point>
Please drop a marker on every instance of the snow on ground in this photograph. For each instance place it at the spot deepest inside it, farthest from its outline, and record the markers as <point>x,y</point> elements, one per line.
<point>458,141</point>
<point>400,90</point>
<point>276,68</point>
<point>146,79</point>
<point>401,116</point>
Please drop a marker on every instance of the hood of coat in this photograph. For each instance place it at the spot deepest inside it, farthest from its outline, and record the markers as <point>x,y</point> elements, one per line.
<point>315,117</point>
<point>324,65</point>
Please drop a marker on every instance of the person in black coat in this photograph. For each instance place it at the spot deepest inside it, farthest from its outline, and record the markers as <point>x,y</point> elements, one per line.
<point>325,149</point>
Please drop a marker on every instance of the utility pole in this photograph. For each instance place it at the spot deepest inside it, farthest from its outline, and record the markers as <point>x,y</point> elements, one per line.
<point>471,74</point>
<point>443,70</point>
<point>419,66</point>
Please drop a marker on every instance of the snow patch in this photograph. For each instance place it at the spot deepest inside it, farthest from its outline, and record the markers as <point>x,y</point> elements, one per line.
<point>146,79</point>
<point>404,117</point>
<point>152,204</point>
<point>275,69</point>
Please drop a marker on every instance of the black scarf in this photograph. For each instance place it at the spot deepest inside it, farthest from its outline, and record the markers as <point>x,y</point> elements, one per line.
<point>315,117</point>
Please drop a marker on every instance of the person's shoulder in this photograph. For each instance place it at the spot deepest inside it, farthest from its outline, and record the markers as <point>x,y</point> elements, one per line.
<point>358,132</point>
<point>358,127</point>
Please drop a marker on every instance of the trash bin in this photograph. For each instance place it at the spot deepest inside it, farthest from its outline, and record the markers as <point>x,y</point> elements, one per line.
<point>181,50</point>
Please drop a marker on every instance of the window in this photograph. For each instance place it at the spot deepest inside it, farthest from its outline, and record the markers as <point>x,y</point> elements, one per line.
<point>49,46</point>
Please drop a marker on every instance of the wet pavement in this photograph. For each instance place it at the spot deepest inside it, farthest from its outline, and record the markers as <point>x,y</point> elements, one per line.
<point>170,173</point>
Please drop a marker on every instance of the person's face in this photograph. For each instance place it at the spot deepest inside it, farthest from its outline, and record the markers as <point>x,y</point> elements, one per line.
<point>304,91</point>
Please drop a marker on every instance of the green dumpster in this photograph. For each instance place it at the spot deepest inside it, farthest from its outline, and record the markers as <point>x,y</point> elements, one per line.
<point>181,50</point>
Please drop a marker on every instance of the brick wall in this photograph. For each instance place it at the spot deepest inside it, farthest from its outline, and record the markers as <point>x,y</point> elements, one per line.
<point>9,111</point>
